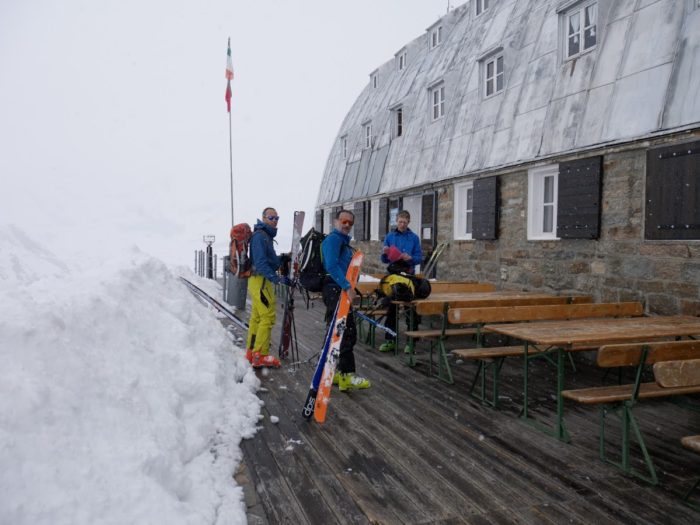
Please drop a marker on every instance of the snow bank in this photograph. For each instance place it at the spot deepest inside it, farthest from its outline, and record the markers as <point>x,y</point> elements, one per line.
<point>122,399</point>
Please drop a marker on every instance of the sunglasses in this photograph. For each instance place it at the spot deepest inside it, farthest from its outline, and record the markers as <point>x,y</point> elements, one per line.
<point>347,223</point>
<point>273,217</point>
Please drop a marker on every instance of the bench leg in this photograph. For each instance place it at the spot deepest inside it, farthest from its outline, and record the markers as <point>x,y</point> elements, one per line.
<point>444,371</point>
<point>480,378</point>
<point>686,498</point>
<point>628,423</point>
<point>411,355</point>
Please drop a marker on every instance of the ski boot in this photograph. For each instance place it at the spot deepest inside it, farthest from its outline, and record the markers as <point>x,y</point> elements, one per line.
<point>249,355</point>
<point>336,378</point>
<point>260,361</point>
<point>350,381</point>
<point>389,346</point>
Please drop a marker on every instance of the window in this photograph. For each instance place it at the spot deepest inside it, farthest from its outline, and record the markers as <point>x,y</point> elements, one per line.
<point>672,204</point>
<point>397,113</point>
<point>481,6</point>
<point>374,221</point>
<point>401,60</point>
<point>361,229</point>
<point>368,135</point>
<point>393,209</point>
<point>437,101</point>
<point>542,195</point>
<point>494,78</point>
<point>463,210</point>
<point>373,80</point>
<point>580,32</point>
<point>344,146</point>
<point>327,220</point>
<point>435,37</point>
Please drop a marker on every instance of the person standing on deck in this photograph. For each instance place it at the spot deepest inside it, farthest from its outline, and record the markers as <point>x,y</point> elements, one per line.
<point>336,254</point>
<point>265,263</point>
<point>402,252</point>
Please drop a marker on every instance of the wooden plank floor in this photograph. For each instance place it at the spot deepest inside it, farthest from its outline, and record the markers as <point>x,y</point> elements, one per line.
<point>415,450</point>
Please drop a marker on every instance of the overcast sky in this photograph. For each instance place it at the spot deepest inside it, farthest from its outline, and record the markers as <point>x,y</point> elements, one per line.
<point>113,125</point>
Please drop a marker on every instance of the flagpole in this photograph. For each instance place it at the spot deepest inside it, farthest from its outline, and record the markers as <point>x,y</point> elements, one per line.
<point>230,159</point>
<point>229,77</point>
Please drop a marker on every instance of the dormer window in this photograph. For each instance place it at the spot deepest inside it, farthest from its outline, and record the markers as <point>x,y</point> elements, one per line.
<point>368,134</point>
<point>494,75</point>
<point>437,101</point>
<point>373,80</point>
<point>401,60</point>
<point>581,29</point>
<point>481,6</point>
<point>344,146</point>
<point>435,37</point>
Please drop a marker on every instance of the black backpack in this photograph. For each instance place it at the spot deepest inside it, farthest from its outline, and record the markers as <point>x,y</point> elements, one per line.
<point>311,270</point>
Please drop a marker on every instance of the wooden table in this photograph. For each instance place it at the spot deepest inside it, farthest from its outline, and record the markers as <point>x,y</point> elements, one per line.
<point>558,337</point>
<point>438,304</point>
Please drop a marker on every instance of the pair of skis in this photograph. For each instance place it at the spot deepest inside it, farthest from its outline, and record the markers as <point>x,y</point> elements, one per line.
<point>288,327</point>
<point>317,400</point>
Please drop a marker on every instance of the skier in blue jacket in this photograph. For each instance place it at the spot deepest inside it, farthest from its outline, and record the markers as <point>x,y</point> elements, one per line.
<point>401,249</point>
<point>405,241</point>
<point>336,254</point>
<point>265,263</point>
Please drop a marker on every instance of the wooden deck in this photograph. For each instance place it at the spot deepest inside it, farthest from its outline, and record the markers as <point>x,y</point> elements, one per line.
<point>415,450</point>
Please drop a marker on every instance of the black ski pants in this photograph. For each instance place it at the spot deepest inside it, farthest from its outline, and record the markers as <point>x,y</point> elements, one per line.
<point>331,296</point>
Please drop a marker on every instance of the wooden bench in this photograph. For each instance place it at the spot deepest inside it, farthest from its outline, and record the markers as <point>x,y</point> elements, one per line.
<point>493,358</point>
<point>621,399</point>
<point>691,443</point>
<point>438,336</point>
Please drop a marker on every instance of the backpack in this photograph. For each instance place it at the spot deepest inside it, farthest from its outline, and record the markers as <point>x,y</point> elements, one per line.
<point>397,287</point>
<point>404,287</point>
<point>311,270</point>
<point>241,264</point>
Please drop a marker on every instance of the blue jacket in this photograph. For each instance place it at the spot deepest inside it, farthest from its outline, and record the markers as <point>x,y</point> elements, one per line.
<point>408,242</point>
<point>336,254</point>
<point>262,252</point>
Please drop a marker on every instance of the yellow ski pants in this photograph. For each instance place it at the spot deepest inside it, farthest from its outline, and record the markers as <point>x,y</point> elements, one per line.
<point>262,315</point>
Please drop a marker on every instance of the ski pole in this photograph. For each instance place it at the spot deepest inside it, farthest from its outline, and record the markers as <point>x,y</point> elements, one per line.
<point>375,323</point>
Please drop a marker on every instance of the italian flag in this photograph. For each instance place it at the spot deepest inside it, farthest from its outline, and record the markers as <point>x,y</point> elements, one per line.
<point>229,76</point>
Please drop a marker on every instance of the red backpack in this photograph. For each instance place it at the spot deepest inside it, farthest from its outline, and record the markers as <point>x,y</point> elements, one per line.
<point>239,250</point>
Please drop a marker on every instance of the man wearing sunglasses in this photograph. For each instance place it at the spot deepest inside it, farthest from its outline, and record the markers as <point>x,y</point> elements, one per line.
<point>336,254</point>
<point>265,263</point>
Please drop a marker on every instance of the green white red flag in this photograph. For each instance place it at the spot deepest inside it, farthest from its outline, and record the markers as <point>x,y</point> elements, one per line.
<point>229,77</point>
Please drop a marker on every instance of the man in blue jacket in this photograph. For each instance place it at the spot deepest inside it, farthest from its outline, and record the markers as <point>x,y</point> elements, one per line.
<point>265,264</point>
<point>336,254</point>
<point>401,249</point>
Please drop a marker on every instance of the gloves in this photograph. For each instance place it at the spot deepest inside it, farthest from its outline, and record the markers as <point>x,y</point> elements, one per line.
<point>286,281</point>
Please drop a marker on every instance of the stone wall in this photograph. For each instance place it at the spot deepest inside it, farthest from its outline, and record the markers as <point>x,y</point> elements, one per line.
<point>619,266</point>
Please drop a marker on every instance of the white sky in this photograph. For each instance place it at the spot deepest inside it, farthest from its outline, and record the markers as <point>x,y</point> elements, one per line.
<point>113,125</point>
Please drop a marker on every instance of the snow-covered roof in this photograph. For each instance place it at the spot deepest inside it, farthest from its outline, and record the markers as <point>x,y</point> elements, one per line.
<point>642,77</point>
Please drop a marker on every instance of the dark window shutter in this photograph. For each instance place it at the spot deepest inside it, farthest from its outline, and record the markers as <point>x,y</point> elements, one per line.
<point>485,211</point>
<point>359,227</point>
<point>427,225</point>
<point>383,217</point>
<point>578,204</point>
<point>319,220</point>
<point>672,204</point>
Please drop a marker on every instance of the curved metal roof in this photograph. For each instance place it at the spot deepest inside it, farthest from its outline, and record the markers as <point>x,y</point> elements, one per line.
<point>641,78</point>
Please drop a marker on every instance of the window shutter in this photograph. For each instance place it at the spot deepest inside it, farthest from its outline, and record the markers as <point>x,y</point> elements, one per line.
<point>578,203</point>
<point>383,217</point>
<point>359,229</point>
<point>428,215</point>
<point>485,211</point>
<point>672,204</point>
<point>319,220</point>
